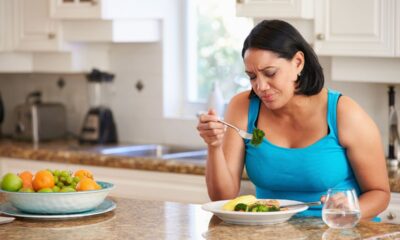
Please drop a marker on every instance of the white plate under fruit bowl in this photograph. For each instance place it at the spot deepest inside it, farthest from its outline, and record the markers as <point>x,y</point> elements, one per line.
<point>58,202</point>
<point>106,206</point>
<point>253,218</point>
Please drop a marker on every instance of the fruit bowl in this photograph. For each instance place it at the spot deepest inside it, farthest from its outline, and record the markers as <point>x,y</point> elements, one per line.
<point>59,202</point>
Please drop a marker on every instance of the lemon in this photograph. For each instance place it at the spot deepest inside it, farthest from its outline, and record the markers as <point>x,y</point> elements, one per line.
<point>246,199</point>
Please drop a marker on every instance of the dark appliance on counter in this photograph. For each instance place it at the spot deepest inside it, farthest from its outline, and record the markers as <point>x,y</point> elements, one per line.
<point>99,125</point>
<point>393,128</point>
<point>37,121</point>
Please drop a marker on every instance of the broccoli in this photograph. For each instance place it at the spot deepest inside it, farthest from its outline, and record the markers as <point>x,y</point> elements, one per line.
<point>273,209</point>
<point>241,207</point>
<point>258,208</point>
<point>257,138</point>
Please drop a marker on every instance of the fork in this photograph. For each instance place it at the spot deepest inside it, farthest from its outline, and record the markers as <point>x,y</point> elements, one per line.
<point>241,132</point>
<point>302,204</point>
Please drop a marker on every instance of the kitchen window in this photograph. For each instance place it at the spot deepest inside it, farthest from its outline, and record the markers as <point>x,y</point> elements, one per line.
<point>214,40</point>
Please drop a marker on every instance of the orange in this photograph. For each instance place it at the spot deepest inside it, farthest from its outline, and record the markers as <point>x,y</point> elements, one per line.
<point>83,173</point>
<point>43,179</point>
<point>27,178</point>
<point>86,184</point>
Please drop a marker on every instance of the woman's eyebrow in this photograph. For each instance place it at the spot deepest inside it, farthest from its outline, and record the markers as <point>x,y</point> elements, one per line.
<point>266,68</point>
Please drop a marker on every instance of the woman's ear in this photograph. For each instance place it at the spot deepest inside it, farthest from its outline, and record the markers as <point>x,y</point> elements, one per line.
<point>298,60</point>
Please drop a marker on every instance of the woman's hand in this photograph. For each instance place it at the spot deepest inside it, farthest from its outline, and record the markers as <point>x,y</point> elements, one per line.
<point>338,200</point>
<point>210,129</point>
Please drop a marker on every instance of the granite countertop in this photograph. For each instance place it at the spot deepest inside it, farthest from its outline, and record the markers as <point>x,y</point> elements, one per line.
<point>69,151</point>
<point>140,219</point>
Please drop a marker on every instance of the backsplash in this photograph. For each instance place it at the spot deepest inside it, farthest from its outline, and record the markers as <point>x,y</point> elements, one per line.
<point>15,87</point>
<point>139,114</point>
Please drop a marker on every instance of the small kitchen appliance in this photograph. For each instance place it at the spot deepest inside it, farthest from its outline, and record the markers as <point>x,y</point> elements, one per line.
<point>37,121</point>
<point>99,125</point>
<point>393,129</point>
<point>1,113</point>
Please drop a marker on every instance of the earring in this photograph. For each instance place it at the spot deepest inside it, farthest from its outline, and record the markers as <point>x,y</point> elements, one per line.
<point>299,74</point>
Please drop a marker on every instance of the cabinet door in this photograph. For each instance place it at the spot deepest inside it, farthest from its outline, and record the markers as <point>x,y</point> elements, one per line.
<point>275,8</point>
<point>75,9</point>
<point>354,28</point>
<point>6,25</point>
<point>35,31</point>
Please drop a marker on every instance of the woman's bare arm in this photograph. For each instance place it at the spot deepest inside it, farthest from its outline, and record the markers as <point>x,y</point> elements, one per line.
<point>360,136</point>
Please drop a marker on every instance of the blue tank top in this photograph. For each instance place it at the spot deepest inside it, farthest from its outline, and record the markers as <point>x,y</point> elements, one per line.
<point>302,174</point>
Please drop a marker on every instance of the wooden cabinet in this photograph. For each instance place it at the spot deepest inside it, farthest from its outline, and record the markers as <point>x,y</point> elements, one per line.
<point>392,212</point>
<point>275,8</point>
<point>33,29</point>
<point>355,28</point>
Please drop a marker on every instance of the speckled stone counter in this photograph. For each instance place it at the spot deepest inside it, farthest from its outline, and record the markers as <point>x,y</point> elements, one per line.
<point>70,152</point>
<point>134,219</point>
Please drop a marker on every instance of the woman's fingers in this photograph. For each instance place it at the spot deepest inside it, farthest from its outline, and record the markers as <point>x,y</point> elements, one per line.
<point>338,200</point>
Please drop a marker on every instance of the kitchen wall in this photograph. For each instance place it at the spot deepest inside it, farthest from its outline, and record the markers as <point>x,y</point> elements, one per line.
<point>139,114</point>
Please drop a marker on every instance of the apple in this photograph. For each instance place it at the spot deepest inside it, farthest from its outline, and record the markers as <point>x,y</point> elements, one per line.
<point>11,182</point>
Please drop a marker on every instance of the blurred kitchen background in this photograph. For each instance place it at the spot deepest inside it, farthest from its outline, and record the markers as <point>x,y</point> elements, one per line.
<point>166,55</point>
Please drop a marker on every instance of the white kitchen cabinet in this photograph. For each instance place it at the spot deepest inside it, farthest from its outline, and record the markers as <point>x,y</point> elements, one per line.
<point>275,8</point>
<point>74,9</point>
<point>33,29</point>
<point>116,31</point>
<point>106,9</point>
<point>130,183</point>
<point>6,20</point>
<point>355,28</point>
<point>392,212</point>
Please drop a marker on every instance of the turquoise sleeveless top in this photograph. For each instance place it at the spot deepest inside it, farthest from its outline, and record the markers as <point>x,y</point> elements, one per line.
<point>302,174</point>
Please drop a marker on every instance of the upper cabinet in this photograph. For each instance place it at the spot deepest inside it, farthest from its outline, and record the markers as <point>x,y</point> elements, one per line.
<point>6,20</point>
<point>72,35</point>
<point>73,9</point>
<point>275,8</point>
<point>106,9</point>
<point>356,28</point>
<point>34,30</point>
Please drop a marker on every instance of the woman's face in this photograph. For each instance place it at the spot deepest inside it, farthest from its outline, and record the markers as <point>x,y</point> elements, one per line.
<point>273,79</point>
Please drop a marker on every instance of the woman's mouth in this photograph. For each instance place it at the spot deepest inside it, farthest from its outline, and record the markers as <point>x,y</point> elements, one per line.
<point>267,97</point>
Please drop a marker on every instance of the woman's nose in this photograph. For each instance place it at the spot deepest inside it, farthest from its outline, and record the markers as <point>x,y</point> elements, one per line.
<point>262,84</point>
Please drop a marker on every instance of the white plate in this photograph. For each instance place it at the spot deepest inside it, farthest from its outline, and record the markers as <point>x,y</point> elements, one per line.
<point>253,218</point>
<point>106,206</point>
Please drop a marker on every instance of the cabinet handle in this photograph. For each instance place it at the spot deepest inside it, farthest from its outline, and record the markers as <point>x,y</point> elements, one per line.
<point>51,35</point>
<point>320,36</point>
<point>94,2</point>
<point>391,216</point>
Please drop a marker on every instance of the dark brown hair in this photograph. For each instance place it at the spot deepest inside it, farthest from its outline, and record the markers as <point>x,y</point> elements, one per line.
<point>283,39</point>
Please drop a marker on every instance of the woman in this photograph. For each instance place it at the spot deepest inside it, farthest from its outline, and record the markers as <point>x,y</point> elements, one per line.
<point>315,138</point>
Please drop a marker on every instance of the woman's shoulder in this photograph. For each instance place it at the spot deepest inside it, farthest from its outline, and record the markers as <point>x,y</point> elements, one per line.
<point>241,99</point>
<point>237,108</point>
<point>352,120</point>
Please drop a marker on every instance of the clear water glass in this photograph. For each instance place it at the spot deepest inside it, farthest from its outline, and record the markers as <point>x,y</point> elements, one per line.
<point>341,208</point>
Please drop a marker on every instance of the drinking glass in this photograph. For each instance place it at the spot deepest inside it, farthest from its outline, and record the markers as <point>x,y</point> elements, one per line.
<point>341,209</point>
